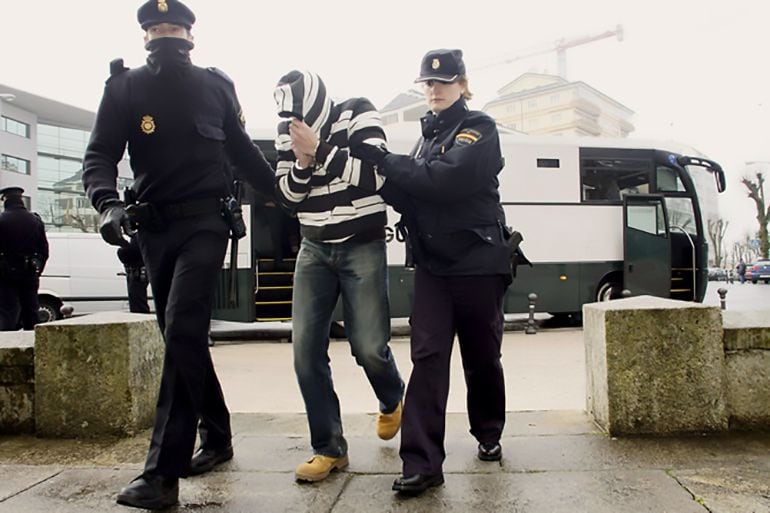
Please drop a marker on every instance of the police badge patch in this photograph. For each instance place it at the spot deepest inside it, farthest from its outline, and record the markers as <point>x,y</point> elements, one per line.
<point>467,136</point>
<point>148,125</point>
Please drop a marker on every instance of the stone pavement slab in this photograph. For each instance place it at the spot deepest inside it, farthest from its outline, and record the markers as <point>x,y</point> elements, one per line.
<point>725,490</point>
<point>554,462</point>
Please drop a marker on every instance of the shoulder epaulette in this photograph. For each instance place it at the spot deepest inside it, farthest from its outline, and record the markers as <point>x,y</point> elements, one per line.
<point>220,74</point>
<point>117,67</point>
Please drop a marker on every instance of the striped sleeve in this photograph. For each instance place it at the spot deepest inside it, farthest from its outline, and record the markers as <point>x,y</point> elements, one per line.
<point>292,183</point>
<point>363,125</point>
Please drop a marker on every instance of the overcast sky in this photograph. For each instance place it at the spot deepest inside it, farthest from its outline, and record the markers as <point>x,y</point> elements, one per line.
<point>695,71</point>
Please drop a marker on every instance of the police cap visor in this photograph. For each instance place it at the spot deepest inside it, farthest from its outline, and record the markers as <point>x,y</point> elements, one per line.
<point>442,65</point>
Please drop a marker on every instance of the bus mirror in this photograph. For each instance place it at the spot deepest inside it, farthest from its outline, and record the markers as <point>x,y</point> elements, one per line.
<point>719,176</point>
<point>710,166</point>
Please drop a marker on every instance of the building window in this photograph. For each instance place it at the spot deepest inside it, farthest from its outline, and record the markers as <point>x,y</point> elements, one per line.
<point>531,104</point>
<point>67,142</point>
<point>554,99</point>
<point>15,127</point>
<point>9,163</point>
<point>555,118</point>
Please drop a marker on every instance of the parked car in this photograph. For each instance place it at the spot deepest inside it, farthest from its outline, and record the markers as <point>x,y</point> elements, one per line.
<point>717,274</point>
<point>759,271</point>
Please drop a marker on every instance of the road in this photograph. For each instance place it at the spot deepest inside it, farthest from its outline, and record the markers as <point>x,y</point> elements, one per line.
<point>746,296</point>
<point>543,372</point>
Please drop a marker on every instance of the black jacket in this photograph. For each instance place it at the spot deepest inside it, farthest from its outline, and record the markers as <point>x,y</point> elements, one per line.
<point>179,129</point>
<point>22,238</point>
<point>447,192</point>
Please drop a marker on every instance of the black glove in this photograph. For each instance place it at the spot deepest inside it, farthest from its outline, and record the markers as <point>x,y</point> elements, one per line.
<point>370,153</point>
<point>114,223</point>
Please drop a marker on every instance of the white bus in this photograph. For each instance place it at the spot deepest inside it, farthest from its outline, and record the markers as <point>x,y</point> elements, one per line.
<point>597,216</point>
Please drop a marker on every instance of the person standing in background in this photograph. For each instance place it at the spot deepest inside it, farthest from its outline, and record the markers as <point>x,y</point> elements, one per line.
<point>23,255</point>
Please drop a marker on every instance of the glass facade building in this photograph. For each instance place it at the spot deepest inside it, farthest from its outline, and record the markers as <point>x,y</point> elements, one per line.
<point>61,200</point>
<point>42,144</point>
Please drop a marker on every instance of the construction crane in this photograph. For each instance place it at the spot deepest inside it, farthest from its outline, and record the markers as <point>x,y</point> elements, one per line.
<point>560,46</point>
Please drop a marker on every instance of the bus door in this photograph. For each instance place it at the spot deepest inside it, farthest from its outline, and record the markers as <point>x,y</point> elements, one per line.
<point>646,246</point>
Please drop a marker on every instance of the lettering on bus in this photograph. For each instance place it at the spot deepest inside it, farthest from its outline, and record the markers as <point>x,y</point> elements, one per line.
<point>390,234</point>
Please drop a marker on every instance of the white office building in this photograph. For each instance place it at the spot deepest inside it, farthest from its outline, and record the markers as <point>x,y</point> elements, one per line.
<point>42,143</point>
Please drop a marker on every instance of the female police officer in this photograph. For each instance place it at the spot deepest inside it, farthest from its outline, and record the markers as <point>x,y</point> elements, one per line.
<point>447,191</point>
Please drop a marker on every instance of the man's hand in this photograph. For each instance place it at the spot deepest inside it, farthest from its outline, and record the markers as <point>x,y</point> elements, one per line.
<point>369,153</point>
<point>114,223</point>
<point>303,142</point>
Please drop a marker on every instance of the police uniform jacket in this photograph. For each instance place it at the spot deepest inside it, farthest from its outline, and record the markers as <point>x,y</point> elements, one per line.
<point>22,237</point>
<point>447,191</point>
<point>179,128</point>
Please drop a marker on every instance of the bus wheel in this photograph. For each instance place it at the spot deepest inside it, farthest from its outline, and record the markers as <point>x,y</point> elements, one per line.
<point>609,289</point>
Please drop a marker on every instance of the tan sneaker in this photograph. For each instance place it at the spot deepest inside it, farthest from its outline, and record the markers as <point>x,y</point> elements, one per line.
<point>388,424</point>
<point>319,467</point>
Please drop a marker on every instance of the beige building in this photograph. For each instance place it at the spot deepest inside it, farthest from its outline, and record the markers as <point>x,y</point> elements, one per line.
<point>537,104</point>
<point>542,104</point>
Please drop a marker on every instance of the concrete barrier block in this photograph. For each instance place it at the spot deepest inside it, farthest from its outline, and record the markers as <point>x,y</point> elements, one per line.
<point>97,375</point>
<point>746,330</point>
<point>654,366</point>
<point>17,382</point>
<point>747,388</point>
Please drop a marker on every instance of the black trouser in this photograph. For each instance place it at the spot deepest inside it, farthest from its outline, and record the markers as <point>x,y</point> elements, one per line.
<point>183,263</point>
<point>18,301</point>
<point>471,307</point>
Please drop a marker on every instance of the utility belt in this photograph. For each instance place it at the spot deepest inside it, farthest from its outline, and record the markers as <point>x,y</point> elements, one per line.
<point>137,274</point>
<point>156,218</point>
<point>23,265</point>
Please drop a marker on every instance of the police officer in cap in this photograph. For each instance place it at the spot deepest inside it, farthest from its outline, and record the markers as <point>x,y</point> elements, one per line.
<point>23,254</point>
<point>447,192</point>
<point>182,123</point>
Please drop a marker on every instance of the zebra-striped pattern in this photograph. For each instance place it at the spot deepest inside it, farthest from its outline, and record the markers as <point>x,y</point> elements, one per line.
<point>336,200</point>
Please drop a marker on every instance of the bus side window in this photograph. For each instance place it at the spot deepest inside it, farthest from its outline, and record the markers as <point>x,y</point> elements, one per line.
<point>608,180</point>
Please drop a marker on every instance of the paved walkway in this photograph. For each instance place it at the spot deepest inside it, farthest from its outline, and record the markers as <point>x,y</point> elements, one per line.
<point>553,462</point>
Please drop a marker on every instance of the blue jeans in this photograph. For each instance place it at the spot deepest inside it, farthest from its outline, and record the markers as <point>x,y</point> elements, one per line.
<point>357,271</point>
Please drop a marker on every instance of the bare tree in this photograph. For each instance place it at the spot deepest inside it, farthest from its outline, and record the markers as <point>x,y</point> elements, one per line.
<point>757,193</point>
<point>717,229</point>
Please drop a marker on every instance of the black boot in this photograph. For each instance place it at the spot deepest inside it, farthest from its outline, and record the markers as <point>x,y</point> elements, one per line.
<point>149,491</point>
<point>416,484</point>
<point>490,451</point>
<point>206,459</point>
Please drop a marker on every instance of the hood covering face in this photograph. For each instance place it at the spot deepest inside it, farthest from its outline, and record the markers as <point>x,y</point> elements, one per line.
<point>302,95</point>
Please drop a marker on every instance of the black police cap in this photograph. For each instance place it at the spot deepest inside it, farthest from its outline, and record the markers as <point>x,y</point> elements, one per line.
<point>442,65</point>
<point>11,191</point>
<point>154,12</point>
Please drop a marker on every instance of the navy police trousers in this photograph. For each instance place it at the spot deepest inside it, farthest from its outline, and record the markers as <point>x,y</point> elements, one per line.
<point>183,263</point>
<point>472,308</point>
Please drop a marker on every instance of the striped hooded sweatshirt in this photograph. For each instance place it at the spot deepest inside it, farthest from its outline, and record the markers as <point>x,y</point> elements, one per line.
<point>328,207</point>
